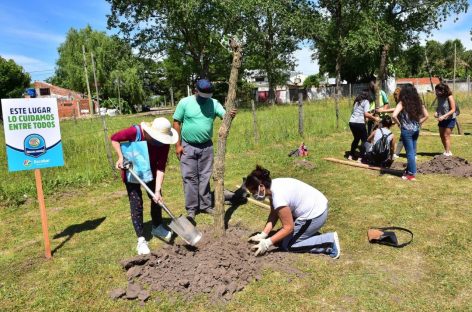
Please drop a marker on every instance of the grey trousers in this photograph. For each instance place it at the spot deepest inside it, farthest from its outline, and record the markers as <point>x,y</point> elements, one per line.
<point>196,166</point>
<point>305,239</point>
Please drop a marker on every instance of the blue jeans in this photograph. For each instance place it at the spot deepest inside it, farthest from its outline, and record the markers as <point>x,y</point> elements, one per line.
<point>306,239</point>
<point>409,139</point>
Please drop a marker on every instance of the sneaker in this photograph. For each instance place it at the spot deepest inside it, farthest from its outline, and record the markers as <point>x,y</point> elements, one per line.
<point>359,160</point>
<point>208,210</point>
<point>395,156</point>
<point>349,157</point>
<point>161,232</point>
<point>409,177</point>
<point>336,249</point>
<point>142,248</point>
<point>447,154</point>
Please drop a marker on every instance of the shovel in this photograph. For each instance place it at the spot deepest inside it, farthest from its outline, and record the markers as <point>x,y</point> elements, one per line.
<point>181,225</point>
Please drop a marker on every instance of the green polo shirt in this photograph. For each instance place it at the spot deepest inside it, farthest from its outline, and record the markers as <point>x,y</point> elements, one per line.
<point>197,118</point>
<point>383,100</point>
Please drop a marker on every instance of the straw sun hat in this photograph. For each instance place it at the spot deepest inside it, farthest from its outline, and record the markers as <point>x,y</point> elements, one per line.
<point>160,130</point>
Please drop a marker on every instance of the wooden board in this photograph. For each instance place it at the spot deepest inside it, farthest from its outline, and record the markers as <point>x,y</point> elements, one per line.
<point>365,166</point>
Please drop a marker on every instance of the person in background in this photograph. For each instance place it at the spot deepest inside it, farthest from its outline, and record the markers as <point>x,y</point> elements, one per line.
<point>384,104</point>
<point>193,121</point>
<point>374,137</point>
<point>158,135</point>
<point>446,115</point>
<point>360,113</point>
<point>409,114</point>
<point>301,208</point>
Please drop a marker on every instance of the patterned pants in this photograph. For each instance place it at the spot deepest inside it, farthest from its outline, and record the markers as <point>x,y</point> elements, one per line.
<point>135,196</point>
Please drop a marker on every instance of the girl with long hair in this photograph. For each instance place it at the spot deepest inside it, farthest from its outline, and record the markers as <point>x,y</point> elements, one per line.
<point>410,113</point>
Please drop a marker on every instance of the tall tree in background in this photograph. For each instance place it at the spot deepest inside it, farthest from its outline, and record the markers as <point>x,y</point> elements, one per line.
<point>271,39</point>
<point>13,80</point>
<point>112,55</point>
<point>192,29</point>
<point>330,29</point>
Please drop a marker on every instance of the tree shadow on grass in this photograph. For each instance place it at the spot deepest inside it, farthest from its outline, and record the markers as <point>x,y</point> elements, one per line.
<point>73,229</point>
<point>236,199</point>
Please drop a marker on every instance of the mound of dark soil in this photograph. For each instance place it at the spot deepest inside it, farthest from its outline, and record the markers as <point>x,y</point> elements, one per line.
<point>452,165</point>
<point>217,266</point>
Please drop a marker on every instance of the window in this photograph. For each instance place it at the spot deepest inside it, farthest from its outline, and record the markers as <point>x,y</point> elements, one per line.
<point>259,79</point>
<point>44,91</point>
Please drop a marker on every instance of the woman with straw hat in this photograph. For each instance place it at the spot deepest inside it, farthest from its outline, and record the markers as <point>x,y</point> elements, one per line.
<point>158,135</point>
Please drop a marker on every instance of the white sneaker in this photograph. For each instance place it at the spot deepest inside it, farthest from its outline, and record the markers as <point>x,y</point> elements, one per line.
<point>142,247</point>
<point>349,157</point>
<point>447,154</point>
<point>395,156</point>
<point>161,232</point>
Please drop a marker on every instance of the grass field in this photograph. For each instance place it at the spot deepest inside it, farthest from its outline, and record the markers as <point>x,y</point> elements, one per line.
<point>91,232</point>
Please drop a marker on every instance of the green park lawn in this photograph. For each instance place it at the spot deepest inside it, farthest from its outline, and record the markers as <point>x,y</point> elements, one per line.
<point>431,274</point>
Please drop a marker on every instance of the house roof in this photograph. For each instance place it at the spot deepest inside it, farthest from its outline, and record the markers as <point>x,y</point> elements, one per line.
<point>57,90</point>
<point>418,81</point>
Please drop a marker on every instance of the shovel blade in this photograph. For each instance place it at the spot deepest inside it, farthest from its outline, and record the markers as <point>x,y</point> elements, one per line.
<point>186,230</point>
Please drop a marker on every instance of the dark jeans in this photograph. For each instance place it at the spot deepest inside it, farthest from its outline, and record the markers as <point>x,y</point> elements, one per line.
<point>360,134</point>
<point>135,196</point>
<point>409,139</point>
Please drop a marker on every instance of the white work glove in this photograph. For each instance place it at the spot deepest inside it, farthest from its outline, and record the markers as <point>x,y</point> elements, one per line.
<point>262,247</point>
<point>258,237</point>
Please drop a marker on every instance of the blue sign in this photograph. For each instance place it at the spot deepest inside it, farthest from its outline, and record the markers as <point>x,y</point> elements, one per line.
<point>32,133</point>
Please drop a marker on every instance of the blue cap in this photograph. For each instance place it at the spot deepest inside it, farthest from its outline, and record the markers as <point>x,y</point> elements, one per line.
<point>204,86</point>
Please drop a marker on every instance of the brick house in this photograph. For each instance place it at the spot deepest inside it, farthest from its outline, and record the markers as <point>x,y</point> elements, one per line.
<point>423,85</point>
<point>69,103</point>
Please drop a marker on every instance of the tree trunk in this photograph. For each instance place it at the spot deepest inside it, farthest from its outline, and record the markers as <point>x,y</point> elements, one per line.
<point>383,64</point>
<point>223,132</point>
<point>271,93</point>
<point>256,132</point>
<point>338,89</point>
<point>300,111</point>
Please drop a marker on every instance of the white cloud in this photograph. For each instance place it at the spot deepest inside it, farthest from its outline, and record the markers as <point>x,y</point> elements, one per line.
<point>36,35</point>
<point>38,67</point>
<point>305,64</point>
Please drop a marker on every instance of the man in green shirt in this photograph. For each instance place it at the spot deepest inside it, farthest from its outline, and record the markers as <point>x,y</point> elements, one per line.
<point>193,120</point>
<point>384,104</point>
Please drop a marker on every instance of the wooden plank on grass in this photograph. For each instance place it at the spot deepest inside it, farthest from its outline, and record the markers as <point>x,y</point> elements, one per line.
<point>365,166</point>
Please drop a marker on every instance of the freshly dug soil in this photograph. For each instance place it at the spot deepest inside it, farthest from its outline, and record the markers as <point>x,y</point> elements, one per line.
<point>452,165</point>
<point>219,267</point>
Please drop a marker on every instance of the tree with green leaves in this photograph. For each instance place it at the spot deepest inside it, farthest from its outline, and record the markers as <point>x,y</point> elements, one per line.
<point>271,39</point>
<point>114,62</point>
<point>13,80</point>
<point>192,29</point>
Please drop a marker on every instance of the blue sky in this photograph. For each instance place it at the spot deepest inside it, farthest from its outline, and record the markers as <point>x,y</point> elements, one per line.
<point>31,31</point>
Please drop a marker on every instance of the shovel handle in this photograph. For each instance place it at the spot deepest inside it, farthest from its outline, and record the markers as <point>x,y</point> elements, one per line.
<point>150,192</point>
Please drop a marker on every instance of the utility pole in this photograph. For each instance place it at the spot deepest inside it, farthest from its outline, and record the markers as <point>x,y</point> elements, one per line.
<point>118,82</point>
<point>104,123</point>
<point>87,81</point>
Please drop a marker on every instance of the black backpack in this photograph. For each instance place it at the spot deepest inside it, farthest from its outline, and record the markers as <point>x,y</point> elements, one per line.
<point>381,149</point>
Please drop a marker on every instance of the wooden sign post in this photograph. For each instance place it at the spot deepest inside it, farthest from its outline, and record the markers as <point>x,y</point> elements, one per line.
<point>33,142</point>
<point>42,209</point>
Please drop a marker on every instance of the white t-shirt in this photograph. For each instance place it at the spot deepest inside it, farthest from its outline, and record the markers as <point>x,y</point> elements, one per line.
<point>304,200</point>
